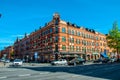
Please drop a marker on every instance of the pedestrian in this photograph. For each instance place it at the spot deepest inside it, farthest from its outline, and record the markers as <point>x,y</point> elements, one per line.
<point>4,63</point>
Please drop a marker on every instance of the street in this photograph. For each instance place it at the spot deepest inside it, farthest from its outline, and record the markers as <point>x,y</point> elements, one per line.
<point>48,72</point>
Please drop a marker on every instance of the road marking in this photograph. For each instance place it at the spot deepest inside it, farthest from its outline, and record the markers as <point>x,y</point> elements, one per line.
<point>3,77</point>
<point>24,75</point>
<point>75,75</point>
<point>45,73</point>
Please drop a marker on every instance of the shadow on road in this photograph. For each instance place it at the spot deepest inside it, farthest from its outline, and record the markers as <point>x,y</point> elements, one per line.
<point>106,71</point>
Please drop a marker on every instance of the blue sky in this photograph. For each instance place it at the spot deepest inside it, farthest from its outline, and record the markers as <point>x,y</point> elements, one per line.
<point>24,16</point>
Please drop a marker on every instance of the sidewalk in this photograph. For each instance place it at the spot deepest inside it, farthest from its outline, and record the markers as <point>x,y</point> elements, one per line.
<point>4,65</point>
<point>35,64</point>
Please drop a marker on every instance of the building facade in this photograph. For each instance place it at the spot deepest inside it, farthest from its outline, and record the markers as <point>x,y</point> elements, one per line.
<point>7,53</point>
<point>60,39</point>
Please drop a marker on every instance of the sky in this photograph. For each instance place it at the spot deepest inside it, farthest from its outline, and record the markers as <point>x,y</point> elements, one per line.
<point>24,16</point>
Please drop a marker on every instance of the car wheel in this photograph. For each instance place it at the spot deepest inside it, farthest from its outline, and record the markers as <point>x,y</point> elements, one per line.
<point>83,63</point>
<point>66,64</point>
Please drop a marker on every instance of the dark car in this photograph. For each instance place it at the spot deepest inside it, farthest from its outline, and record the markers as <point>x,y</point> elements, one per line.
<point>76,61</point>
<point>105,60</point>
<point>97,61</point>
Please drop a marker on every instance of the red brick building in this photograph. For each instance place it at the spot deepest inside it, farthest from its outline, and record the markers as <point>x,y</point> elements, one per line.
<point>60,39</point>
<point>7,52</point>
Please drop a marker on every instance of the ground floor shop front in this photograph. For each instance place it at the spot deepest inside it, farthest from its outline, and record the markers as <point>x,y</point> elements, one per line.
<point>50,56</point>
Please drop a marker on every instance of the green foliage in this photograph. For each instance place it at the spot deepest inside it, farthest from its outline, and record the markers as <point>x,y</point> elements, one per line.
<point>114,38</point>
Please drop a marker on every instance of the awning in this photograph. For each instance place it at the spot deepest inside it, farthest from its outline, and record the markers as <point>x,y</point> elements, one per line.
<point>104,55</point>
<point>95,53</point>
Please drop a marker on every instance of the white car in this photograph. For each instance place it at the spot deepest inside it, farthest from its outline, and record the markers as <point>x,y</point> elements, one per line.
<point>17,62</point>
<point>113,60</point>
<point>59,62</point>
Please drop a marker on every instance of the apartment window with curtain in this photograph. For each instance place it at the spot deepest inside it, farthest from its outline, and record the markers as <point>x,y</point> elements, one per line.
<point>63,39</point>
<point>63,47</point>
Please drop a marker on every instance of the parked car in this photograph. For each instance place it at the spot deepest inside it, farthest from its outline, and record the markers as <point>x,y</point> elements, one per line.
<point>59,62</point>
<point>17,62</point>
<point>7,60</point>
<point>113,60</point>
<point>105,60</point>
<point>98,61</point>
<point>76,61</point>
<point>2,60</point>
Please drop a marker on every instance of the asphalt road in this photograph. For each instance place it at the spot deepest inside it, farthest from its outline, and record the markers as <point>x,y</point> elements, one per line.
<point>48,72</point>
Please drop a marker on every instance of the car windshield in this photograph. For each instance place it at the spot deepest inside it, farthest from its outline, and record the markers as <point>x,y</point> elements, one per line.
<point>17,60</point>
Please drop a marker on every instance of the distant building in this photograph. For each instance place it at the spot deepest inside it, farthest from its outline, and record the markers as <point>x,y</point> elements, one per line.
<point>60,39</point>
<point>7,52</point>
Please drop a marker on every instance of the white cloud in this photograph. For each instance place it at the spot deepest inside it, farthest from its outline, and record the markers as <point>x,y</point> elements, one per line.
<point>18,35</point>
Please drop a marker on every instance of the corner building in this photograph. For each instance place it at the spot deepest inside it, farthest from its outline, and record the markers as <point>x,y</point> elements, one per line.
<point>60,39</point>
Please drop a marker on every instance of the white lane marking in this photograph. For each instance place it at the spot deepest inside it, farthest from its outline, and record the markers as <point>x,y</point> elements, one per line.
<point>45,73</point>
<point>75,75</point>
<point>24,75</point>
<point>3,77</point>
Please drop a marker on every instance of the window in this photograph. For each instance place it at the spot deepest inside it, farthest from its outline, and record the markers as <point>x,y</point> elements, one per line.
<point>63,39</point>
<point>63,30</point>
<point>83,50</point>
<point>96,38</point>
<point>97,44</point>
<point>72,47</point>
<point>50,30</point>
<point>56,48</point>
<point>56,29</point>
<point>56,22</point>
<point>93,49</point>
<point>77,48</point>
<point>72,40</point>
<point>69,31</point>
<point>63,47</point>
<point>56,39</point>
<point>77,41</point>
<point>78,33</point>
<point>73,32</point>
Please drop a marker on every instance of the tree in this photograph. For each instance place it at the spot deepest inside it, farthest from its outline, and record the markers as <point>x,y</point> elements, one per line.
<point>113,38</point>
